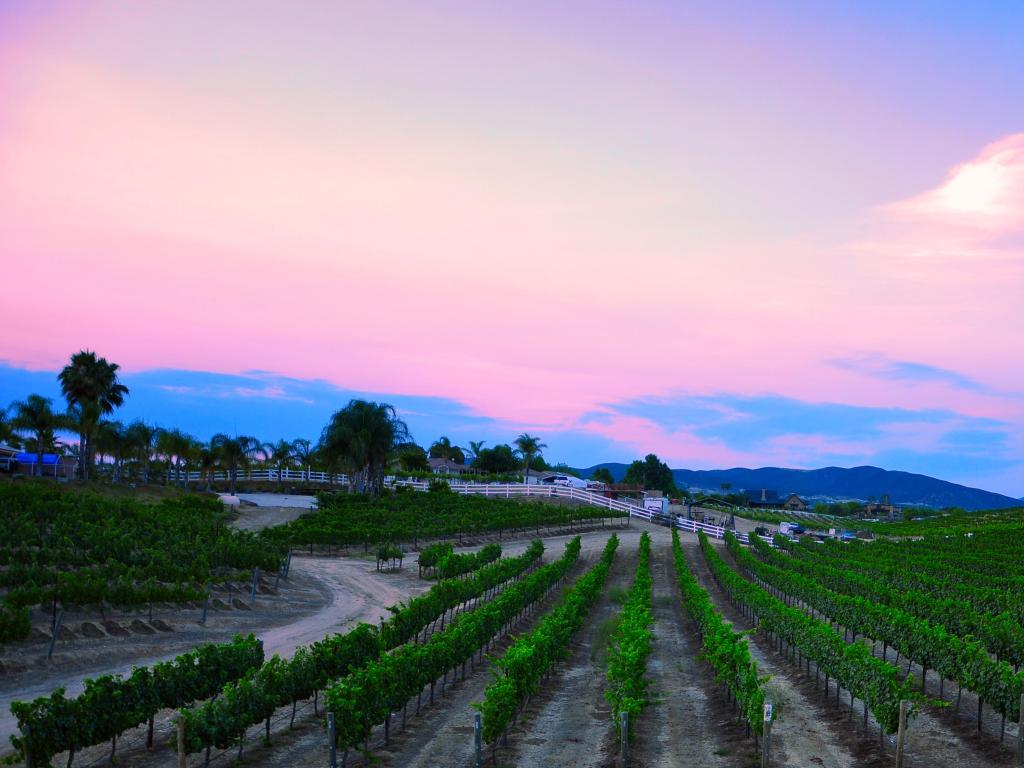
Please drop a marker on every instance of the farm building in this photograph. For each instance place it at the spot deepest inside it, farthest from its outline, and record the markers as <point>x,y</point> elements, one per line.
<point>794,502</point>
<point>448,467</point>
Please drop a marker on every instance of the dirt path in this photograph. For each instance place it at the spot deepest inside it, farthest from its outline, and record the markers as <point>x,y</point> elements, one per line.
<point>692,722</point>
<point>569,723</point>
<point>808,731</point>
<point>324,595</point>
<point>441,735</point>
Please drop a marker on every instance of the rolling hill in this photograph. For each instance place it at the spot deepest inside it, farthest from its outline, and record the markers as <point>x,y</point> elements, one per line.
<point>837,482</point>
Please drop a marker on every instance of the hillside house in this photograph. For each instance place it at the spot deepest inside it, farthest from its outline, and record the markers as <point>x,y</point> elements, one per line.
<point>447,467</point>
<point>883,508</point>
<point>795,503</point>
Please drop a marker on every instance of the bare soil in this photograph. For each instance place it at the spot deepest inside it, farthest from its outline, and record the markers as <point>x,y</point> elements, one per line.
<point>321,596</point>
<point>807,731</point>
<point>947,733</point>
<point>691,721</point>
<point>569,723</point>
<point>931,741</point>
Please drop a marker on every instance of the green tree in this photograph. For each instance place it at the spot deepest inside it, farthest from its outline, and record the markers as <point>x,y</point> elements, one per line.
<point>528,446</point>
<point>476,447</point>
<point>141,439</point>
<point>497,460</point>
<point>112,442</point>
<point>8,434</point>
<point>281,454</point>
<point>34,417</point>
<point>233,453</point>
<point>305,452</point>
<point>362,437</point>
<point>603,475</point>
<point>174,445</point>
<point>442,448</point>
<point>91,383</point>
<point>653,474</point>
<point>412,458</point>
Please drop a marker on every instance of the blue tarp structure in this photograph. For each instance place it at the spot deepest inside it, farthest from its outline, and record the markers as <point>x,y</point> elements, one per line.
<point>31,458</point>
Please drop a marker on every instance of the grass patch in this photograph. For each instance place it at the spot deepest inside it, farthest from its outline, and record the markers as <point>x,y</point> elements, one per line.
<point>602,638</point>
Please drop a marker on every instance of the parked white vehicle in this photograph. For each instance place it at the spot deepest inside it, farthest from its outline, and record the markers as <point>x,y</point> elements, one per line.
<point>567,480</point>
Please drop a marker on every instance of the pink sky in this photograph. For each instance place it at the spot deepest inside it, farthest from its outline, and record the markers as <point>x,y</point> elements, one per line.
<point>535,213</point>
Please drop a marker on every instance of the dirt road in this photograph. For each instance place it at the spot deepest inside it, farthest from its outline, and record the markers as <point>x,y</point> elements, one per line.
<point>324,595</point>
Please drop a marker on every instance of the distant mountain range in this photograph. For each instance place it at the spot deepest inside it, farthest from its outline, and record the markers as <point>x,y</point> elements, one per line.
<point>838,483</point>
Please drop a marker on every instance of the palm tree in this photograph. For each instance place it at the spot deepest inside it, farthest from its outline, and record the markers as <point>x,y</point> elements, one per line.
<point>141,439</point>
<point>208,464</point>
<point>362,437</point>
<point>90,383</point>
<point>529,446</point>
<point>8,433</point>
<point>476,447</point>
<point>234,452</point>
<point>34,416</point>
<point>112,440</point>
<point>304,451</point>
<point>174,445</point>
<point>280,454</point>
<point>191,457</point>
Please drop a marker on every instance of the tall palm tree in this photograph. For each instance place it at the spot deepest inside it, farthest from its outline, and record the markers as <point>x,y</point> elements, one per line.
<point>174,445</point>
<point>304,451</point>
<point>141,439</point>
<point>112,441</point>
<point>208,464</point>
<point>361,437</point>
<point>234,452</point>
<point>529,446</point>
<point>476,447</point>
<point>34,417</point>
<point>90,383</point>
<point>280,454</point>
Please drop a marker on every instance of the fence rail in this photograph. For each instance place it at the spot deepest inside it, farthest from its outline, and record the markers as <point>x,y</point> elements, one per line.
<point>497,491</point>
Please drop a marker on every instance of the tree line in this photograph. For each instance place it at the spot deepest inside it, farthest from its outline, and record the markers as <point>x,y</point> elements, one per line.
<point>363,440</point>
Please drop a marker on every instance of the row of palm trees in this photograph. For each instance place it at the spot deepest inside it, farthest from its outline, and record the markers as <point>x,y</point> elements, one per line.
<point>360,440</point>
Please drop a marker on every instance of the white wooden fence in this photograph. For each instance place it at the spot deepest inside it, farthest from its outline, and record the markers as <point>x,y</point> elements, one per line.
<point>496,491</point>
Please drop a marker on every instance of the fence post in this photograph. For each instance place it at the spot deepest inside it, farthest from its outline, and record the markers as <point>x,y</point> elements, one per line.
<point>477,739</point>
<point>332,739</point>
<point>206,607</point>
<point>624,741</point>
<point>181,741</point>
<point>901,735</point>
<point>255,580</point>
<point>766,738</point>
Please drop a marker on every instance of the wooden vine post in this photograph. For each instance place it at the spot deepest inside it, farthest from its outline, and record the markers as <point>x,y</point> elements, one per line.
<point>901,734</point>
<point>181,741</point>
<point>478,740</point>
<point>624,741</point>
<point>332,739</point>
<point>766,740</point>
